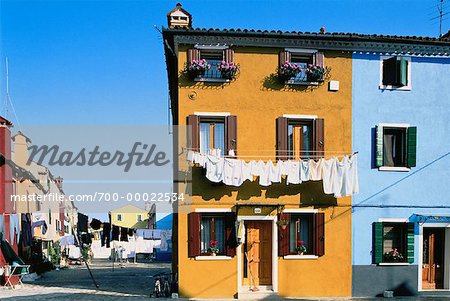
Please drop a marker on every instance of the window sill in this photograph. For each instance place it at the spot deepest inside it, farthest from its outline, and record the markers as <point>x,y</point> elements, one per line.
<point>389,87</point>
<point>207,257</point>
<point>211,80</point>
<point>394,168</point>
<point>300,257</point>
<point>394,263</point>
<point>301,83</point>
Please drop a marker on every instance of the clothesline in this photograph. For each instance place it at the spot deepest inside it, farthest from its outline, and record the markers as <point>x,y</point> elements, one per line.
<point>339,176</point>
<point>302,155</point>
<point>278,150</point>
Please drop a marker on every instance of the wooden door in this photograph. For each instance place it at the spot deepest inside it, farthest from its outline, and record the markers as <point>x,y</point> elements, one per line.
<point>259,251</point>
<point>433,258</point>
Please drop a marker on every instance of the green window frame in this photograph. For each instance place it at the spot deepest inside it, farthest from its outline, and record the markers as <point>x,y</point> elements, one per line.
<point>403,143</point>
<point>403,242</point>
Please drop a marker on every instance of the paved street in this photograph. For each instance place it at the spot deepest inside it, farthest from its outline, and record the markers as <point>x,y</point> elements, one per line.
<point>134,282</point>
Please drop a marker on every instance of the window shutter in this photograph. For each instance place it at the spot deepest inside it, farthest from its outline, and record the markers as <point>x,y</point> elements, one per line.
<point>319,139</point>
<point>282,138</point>
<point>319,59</point>
<point>319,233</point>
<point>228,55</point>
<point>377,249</point>
<point>284,57</point>
<point>410,245</point>
<point>230,234</point>
<point>193,54</point>
<point>61,218</point>
<point>403,72</point>
<point>411,146</point>
<point>379,146</point>
<point>193,135</point>
<point>284,236</point>
<point>231,134</point>
<point>194,234</point>
<point>390,71</point>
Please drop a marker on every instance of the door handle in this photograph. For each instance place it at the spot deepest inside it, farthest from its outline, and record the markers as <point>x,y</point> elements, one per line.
<point>438,266</point>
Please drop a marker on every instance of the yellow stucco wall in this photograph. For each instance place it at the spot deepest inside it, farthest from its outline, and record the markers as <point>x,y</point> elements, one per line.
<point>258,100</point>
<point>129,217</point>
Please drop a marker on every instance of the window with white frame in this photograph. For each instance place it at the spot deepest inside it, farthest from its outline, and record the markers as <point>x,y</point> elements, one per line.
<point>395,73</point>
<point>212,234</point>
<point>301,237</point>
<point>395,146</point>
<point>119,217</point>
<point>393,242</point>
<point>212,133</point>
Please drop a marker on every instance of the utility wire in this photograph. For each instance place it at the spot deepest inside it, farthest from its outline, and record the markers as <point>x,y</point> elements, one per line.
<point>401,180</point>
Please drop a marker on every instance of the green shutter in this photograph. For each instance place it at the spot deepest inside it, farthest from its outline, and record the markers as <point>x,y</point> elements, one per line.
<point>379,146</point>
<point>411,146</point>
<point>403,72</point>
<point>410,246</point>
<point>377,242</point>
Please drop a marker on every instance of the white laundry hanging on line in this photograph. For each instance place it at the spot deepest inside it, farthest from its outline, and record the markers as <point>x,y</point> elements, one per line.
<point>315,169</point>
<point>232,172</point>
<point>240,231</point>
<point>264,173</point>
<point>275,171</point>
<point>214,168</point>
<point>166,236</point>
<point>305,173</point>
<point>341,177</point>
<point>190,156</point>
<point>247,171</point>
<point>351,179</point>
<point>255,168</point>
<point>293,172</point>
<point>329,173</point>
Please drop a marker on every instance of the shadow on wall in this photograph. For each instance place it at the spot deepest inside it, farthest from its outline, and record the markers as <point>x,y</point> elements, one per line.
<point>402,290</point>
<point>272,82</point>
<point>310,193</point>
<point>185,81</point>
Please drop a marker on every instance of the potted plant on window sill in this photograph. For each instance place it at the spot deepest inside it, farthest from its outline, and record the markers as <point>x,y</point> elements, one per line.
<point>213,247</point>
<point>316,73</point>
<point>197,68</point>
<point>288,71</point>
<point>228,70</point>
<point>300,248</point>
<point>283,223</point>
<point>394,256</point>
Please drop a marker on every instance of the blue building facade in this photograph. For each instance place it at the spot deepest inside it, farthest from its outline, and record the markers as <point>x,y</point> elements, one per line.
<point>401,217</point>
<point>165,223</point>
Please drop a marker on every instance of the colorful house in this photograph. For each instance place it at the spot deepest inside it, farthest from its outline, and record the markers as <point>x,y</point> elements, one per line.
<point>401,218</point>
<point>7,208</point>
<point>130,216</point>
<point>249,94</point>
<point>165,224</point>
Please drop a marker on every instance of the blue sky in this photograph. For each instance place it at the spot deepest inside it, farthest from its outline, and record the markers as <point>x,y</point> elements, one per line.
<point>102,61</point>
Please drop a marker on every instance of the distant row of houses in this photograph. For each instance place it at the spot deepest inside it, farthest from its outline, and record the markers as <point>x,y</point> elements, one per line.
<point>334,108</point>
<point>34,211</point>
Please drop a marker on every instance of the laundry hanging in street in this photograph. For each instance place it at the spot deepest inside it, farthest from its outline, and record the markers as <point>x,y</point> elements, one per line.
<point>340,177</point>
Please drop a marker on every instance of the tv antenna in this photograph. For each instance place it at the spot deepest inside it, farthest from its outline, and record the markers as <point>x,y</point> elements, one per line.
<point>8,101</point>
<point>440,8</point>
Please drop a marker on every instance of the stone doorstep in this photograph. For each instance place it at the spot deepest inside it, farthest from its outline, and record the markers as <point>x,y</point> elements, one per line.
<point>262,294</point>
